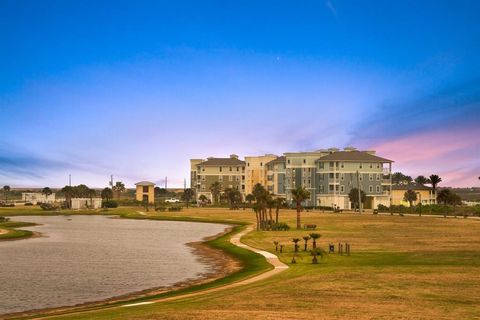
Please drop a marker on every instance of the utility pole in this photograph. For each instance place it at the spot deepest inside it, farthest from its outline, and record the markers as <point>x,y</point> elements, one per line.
<point>70,180</point>
<point>359,193</point>
<point>166,183</point>
<point>111,181</point>
<point>184,184</point>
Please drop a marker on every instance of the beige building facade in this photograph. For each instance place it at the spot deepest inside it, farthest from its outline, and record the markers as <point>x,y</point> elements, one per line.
<point>425,195</point>
<point>145,191</point>
<point>256,171</point>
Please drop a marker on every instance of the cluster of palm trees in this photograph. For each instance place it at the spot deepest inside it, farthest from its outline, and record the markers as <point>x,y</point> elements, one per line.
<point>399,178</point>
<point>6,190</point>
<point>314,251</point>
<point>80,191</point>
<point>265,202</point>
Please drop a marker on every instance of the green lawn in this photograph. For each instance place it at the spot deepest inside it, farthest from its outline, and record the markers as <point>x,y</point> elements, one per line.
<point>399,268</point>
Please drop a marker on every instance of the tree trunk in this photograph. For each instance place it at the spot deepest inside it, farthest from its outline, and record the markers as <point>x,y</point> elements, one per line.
<point>276,215</point>
<point>271,217</point>
<point>299,225</point>
<point>314,245</point>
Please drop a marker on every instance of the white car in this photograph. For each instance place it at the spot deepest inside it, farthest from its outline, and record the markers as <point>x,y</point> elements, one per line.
<point>172,200</point>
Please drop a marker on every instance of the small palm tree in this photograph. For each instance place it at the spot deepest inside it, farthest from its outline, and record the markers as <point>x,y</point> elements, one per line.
<point>306,238</point>
<point>299,195</point>
<point>315,253</point>
<point>107,194</point>
<point>118,188</point>
<point>314,237</point>
<point>281,248</point>
<point>434,181</point>
<point>188,195</point>
<point>6,190</point>
<point>295,241</point>
<point>215,189</point>
<point>411,197</point>
<point>249,198</point>
<point>279,202</point>
<point>203,198</point>
<point>46,191</point>
<point>276,245</point>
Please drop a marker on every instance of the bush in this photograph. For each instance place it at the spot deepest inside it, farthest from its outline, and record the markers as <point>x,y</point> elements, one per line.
<point>4,219</point>
<point>383,208</point>
<point>175,209</point>
<point>7,205</point>
<point>281,226</point>
<point>162,209</point>
<point>28,204</point>
<point>48,206</point>
<point>110,204</point>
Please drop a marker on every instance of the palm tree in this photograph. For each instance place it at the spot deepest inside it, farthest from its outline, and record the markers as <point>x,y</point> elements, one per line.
<point>314,237</point>
<point>107,194</point>
<point>434,181</point>
<point>444,197</point>
<point>270,206</point>
<point>421,180</point>
<point>279,202</point>
<point>410,196</point>
<point>91,194</point>
<point>69,193</point>
<point>118,188</point>
<point>317,252</point>
<point>6,190</point>
<point>306,238</point>
<point>188,195</point>
<point>203,198</point>
<point>250,198</point>
<point>46,191</point>
<point>295,241</point>
<point>299,195</point>
<point>215,189</point>
<point>276,245</point>
<point>281,248</point>
<point>353,197</point>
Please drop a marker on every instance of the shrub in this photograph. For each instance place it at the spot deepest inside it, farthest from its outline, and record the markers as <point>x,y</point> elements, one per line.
<point>28,204</point>
<point>281,226</point>
<point>48,206</point>
<point>383,208</point>
<point>110,204</point>
<point>4,219</point>
<point>160,209</point>
<point>175,209</point>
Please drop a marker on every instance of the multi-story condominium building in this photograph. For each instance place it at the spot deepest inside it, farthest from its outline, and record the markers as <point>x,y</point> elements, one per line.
<point>328,174</point>
<point>341,171</point>
<point>229,172</point>
<point>276,172</point>
<point>256,171</point>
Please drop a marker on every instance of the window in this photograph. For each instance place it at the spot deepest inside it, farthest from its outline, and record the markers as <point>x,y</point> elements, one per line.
<point>243,168</point>
<point>341,165</point>
<point>331,175</point>
<point>321,165</point>
<point>331,164</point>
<point>330,187</point>
<point>321,188</point>
<point>336,164</point>
<point>220,168</point>
<point>361,166</point>
<point>320,176</point>
<point>336,187</point>
<point>237,178</point>
<point>220,178</point>
<point>243,187</point>
<point>261,164</point>
<point>360,176</point>
<point>378,177</point>
<point>378,189</point>
<point>230,178</point>
<point>378,165</point>
<point>203,187</point>
<point>342,176</point>
<point>203,178</point>
<point>230,168</point>
<point>304,161</point>
<point>198,168</point>
<point>248,164</point>
<point>370,189</point>
<point>337,175</point>
<point>203,168</point>
<point>370,177</point>
<point>371,166</point>
<point>145,189</point>
<point>238,168</point>
<point>342,189</point>
<point>243,178</point>
<point>288,161</point>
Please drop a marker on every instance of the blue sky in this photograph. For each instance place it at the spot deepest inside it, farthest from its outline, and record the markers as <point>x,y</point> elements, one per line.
<point>136,88</point>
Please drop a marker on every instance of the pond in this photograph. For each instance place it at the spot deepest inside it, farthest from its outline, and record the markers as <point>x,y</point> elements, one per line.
<point>81,259</point>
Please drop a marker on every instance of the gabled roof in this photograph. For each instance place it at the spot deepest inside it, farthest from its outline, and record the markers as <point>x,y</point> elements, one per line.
<point>222,162</point>
<point>354,156</point>
<point>412,186</point>
<point>144,183</point>
<point>281,159</point>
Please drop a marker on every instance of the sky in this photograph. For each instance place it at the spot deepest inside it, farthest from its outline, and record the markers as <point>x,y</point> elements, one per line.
<point>134,89</point>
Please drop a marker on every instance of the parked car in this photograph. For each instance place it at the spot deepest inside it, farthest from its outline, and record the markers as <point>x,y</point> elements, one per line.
<point>172,200</point>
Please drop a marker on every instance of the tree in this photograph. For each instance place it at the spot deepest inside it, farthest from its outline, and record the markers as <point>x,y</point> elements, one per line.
<point>295,241</point>
<point>188,195</point>
<point>314,237</point>
<point>410,196</point>
<point>250,198</point>
<point>215,189</point>
<point>279,202</point>
<point>353,196</point>
<point>399,178</point>
<point>69,193</point>
<point>421,180</point>
<point>234,197</point>
<point>46,191</point>
<point>455,200</point>
<point>118,188</point>
<point>444,196</point>
<point>91,194</point>
<point>107,194</point>
<point>434,181</point>
<point>299,195</point>
<point>203,199</point>
<point>6,190</point>
<point>261,197</point>
<point>317,252</point>
<point>306,238</point>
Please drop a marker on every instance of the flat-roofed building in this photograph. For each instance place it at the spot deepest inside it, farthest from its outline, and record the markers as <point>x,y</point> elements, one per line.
<point>228,172</point>
<point>425,194</point>
<point>37,197</point>
<point>256,171</point>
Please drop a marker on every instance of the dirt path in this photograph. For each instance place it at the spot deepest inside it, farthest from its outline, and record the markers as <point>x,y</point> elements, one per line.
<point>3,231</point>
<point>271,258</point>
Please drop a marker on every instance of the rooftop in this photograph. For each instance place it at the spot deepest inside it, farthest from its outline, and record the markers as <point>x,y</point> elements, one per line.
<point>144,183</point>
<point>222,162</point>
<point>353,156</point>
<point>281,159</point>
<point>412,186</point>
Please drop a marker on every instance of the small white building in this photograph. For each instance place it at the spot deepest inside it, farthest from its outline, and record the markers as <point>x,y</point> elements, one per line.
<point>86,203</point>
<point>37,197</point>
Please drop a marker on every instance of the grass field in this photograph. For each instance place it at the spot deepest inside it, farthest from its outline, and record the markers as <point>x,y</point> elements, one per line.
<point>400,268</point>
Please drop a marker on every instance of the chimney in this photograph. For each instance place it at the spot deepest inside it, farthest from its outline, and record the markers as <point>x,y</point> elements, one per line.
<point>233,156</point>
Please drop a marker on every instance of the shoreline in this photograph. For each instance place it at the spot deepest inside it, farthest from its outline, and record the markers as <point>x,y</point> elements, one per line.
<point>221,265</point>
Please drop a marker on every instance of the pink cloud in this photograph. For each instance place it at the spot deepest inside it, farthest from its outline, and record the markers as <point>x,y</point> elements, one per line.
<point>452,153</point>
